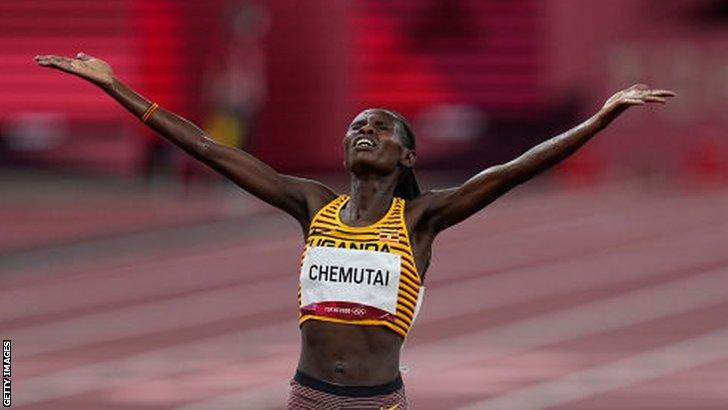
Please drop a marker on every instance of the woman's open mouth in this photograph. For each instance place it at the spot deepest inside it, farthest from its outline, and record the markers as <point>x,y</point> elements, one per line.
<point>364,144</point>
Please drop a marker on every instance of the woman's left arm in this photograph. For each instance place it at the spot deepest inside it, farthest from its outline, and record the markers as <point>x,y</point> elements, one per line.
<point>444,208</point>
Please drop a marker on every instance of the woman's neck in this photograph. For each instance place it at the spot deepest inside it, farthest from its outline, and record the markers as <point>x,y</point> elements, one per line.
<point>369,199</point>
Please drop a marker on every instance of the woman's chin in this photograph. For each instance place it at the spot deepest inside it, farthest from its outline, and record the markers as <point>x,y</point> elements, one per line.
<point>369,166</point>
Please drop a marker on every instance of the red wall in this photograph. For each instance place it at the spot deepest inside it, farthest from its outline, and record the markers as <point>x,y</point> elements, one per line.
<point>596,47</point>
<point>327,59</point>
<point>307,110</point>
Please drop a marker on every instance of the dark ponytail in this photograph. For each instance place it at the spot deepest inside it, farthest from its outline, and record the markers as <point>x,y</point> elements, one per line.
<point>407,186</point>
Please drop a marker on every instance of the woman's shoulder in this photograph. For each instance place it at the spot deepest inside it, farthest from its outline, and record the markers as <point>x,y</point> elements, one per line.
<point>416,209</point>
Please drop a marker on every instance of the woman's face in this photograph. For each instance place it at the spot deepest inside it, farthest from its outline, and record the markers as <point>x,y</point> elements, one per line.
<point>372,144</point>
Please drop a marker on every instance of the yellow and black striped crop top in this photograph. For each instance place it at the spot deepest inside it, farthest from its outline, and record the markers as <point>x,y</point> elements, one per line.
<point>359,275</point>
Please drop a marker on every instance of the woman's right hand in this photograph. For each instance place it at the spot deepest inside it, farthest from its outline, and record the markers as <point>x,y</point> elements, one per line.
<point>89,68</point>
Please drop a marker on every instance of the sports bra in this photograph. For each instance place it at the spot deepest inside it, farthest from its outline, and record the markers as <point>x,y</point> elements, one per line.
<point>362,276</point>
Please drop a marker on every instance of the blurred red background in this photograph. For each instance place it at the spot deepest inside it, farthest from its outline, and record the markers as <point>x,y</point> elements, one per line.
<point>480,80</point>
<point>134,278</point>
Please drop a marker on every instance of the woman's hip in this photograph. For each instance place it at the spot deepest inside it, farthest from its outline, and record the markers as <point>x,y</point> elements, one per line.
<point>308,393</point>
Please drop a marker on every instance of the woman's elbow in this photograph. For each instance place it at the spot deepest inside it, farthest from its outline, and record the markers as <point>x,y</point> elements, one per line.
<point>203,147</point>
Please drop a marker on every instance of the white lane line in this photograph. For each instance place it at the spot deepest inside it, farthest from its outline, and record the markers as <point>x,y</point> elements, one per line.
<point>562,325</point>
<point>625,372</point>
<point>549,328</point>
<point>150,317</point>
<point>141,279</point>
<point>185,358</point>
<point>272,396</point>
<point>580,272</point>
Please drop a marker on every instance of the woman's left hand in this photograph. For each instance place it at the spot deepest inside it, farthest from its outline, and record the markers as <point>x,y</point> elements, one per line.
<point>638,94</point>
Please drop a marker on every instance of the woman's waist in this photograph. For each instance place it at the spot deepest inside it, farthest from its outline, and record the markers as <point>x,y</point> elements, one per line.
<point>349,354</point>
<point>390,387</point>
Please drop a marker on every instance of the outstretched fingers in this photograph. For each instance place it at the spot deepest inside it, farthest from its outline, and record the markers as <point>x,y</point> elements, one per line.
<point>44,60</point>
<point>653,98</point>
<point>663,93</point>
<point>658,96</point>
<point>66,64</point>
<point>53,61</point>
<point>638,94</point>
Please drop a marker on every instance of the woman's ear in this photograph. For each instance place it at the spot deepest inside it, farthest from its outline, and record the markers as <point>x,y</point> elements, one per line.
<point>408,158</point>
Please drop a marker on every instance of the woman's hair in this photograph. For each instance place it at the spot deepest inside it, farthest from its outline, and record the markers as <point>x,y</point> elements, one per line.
<point>407,186</point>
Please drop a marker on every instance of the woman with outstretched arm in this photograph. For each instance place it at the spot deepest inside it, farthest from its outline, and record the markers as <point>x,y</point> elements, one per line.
<point>366,252</point>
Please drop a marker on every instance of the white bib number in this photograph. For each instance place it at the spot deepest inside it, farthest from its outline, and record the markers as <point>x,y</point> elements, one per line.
<point>368,278</point>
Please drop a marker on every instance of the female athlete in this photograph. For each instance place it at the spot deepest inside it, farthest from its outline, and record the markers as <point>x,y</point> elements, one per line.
<point>366,252</point>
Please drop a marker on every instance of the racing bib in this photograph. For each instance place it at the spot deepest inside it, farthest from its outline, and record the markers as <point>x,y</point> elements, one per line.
<point>350,283</point>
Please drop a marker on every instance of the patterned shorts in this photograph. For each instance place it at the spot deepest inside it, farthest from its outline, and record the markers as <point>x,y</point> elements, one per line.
<point>308,393</point>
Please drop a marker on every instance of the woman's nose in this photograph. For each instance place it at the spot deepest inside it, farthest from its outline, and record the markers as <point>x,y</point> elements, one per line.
<point>366,129</point>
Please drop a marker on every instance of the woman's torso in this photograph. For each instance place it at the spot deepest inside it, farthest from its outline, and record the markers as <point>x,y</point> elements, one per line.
<point>350,354</point>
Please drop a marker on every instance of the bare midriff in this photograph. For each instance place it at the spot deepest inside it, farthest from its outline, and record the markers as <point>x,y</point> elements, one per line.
<point>349,355</point>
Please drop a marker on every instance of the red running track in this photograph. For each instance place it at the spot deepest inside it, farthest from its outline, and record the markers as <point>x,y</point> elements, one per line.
<point>578,300</point>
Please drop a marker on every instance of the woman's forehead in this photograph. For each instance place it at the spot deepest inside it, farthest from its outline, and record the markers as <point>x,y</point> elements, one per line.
<point>374,113</point>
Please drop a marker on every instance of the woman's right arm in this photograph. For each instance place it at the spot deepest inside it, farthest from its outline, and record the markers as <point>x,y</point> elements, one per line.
<point>298,197</point>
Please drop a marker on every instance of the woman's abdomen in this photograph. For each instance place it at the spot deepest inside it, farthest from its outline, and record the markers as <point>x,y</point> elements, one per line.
<point>350,355</point>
